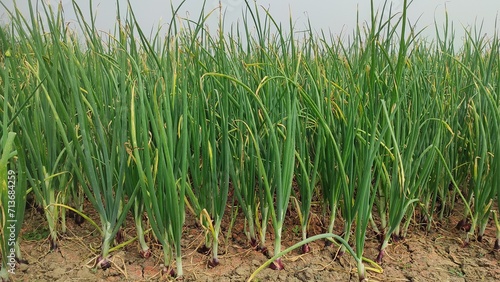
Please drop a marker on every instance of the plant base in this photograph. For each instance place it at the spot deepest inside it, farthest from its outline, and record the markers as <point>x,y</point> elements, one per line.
<point>380,256</point>
<point>463,225</point>
<point>168,271</point>
<point>103,263</point>
<point>277,265</point>
<point>306,249</point>
<point>213,263</point>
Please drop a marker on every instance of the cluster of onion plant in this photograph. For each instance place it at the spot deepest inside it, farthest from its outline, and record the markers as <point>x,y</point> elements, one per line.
<point>482,126</point>
<point>13,176</point>
<point>382,128</point>
<point>210,162</point>
<point>35,138</point>
<point>83,127</point>
<point>49,170</point>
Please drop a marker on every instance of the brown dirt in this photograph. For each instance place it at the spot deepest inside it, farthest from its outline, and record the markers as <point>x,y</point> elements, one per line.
<point>437,256</point>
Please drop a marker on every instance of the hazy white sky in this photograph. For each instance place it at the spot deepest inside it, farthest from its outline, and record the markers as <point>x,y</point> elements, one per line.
<point>335,16</point>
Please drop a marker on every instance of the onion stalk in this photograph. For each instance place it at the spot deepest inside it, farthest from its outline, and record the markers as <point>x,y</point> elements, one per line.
<point>13,175</point>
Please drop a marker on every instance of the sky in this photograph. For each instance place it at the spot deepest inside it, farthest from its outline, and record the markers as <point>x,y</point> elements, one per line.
<point>337,17</point>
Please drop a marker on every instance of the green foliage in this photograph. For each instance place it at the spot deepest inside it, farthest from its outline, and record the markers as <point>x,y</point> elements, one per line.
<point>381,130</point>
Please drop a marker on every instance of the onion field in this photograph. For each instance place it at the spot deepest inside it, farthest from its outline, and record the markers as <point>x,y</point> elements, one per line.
<point>384,131</point>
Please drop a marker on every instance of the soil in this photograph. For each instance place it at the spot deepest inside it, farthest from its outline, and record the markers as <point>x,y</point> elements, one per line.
<point>439,255</point>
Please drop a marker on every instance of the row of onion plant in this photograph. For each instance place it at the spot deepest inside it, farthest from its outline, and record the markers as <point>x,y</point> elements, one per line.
<point>377,129</point>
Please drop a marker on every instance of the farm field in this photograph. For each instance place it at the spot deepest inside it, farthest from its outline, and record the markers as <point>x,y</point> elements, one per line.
<point>249,154</point>
<point>434,256</point>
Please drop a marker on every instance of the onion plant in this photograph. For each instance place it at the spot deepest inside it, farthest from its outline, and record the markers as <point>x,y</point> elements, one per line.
<point>482,132</point>
<point>208,123</point>
<point>13,176</point>
<point>94,130</point>
<point>158,165</point>
<point>251,192</point>
<point>281,163</point>
<point>160,139</point>
<point>103,134</point>
<point>249,178</point>
<point>443,87</point>
<point>40,139</point>
<point>383,127</point>
<point>309,151</point>
<point>162,164</point>
<point>243,175</point>
<point>212,168</point>
<point>212,157</point>
<point>279,93</point>
<point>385,78</point>
<point>49,164</point>
<point>308,157</point>
<point>8,203</point>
